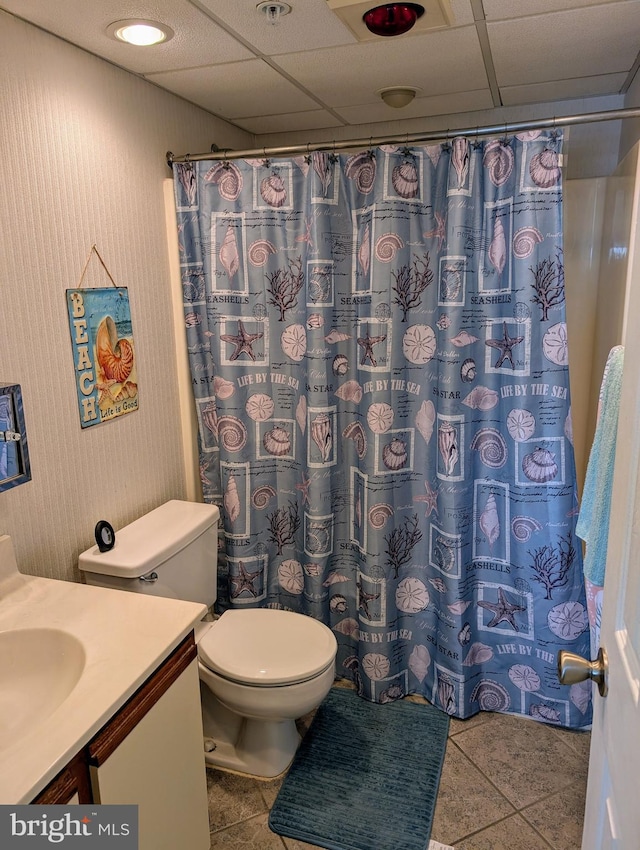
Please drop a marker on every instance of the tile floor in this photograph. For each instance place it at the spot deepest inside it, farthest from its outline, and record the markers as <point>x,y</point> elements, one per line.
<point>508,783</point>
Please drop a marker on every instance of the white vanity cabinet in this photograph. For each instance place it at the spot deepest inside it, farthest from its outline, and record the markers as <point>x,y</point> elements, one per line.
<point>150,754</point>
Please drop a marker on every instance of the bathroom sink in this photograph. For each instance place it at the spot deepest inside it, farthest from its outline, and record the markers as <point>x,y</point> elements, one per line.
<point>39,668</point>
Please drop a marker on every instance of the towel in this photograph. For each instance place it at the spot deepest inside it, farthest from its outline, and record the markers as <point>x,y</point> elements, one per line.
<point>593,519</point>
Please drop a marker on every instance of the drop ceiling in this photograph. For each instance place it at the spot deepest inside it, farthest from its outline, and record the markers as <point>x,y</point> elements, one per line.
<point>311,71</point>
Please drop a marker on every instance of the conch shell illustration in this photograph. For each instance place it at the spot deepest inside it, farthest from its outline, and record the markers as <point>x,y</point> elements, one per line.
<point>320,431</point>
<point>229,257</point>
<point>448,446</point>
<point>231,499</point>
<point>489,521</point>
<point>115,356</point>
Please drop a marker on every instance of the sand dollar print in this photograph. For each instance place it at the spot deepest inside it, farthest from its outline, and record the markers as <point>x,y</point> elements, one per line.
<point>568,620</point>
<point>294,342</point>
<point>376,666</point>
<point>290,576</point>
<point>524,677</point>
<point>411,595</point>
<point>419,344</point>
<point>521,424</point>
<point>554,344</point>
<point>259,407</point>
<point>380,417</point>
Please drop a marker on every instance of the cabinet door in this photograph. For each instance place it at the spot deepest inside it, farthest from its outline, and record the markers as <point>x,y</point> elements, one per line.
<point>70,786</point>
<point>160,767</point>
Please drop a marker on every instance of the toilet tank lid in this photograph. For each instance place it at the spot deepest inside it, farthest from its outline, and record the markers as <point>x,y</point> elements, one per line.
<point>148,542</point>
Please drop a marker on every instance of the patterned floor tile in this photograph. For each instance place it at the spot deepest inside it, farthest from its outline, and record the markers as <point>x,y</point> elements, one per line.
<point>252,834</point>
<point>456,725</point>
<point>466,800</point>
<point>578,741</point>
<point>524,759</point>
<point>511,834</point>
<point>232,798</point>
<point>561,822</point>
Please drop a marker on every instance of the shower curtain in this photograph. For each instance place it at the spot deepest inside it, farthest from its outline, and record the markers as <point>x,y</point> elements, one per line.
<point>379,360</point>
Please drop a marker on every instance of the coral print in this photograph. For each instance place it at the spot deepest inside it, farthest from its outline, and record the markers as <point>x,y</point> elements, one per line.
<point>379,357</point>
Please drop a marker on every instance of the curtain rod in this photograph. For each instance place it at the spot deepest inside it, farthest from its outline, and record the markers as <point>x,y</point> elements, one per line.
<point>217,153</point>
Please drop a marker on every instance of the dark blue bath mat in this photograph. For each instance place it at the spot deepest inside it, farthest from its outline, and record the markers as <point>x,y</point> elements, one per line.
<point>365,777</point>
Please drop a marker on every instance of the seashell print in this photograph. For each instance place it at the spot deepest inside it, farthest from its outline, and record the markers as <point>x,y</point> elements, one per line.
<point>293,340</point>
<point>443,322</point>
<point>464,635</point>
<point>232,433</point>
<point>490,445</point>
<point>290,576</point>
<point>210,418</point>
<point>529,135</point>
<point>525,241</point>
<point>361,168</point>
<point>350,391</point>
<point>411,595</point>
<point>364,252</point>
<point>340,365</point>
<point>498,247</point>
<point>521,424</point>
<point>192,320</point>
<point>568,620</point>
<point>554,344</point>
<point>580,695</point>
<point>222,389</point>
<point>460,159</point>
<point>450,282</point>
<point>425,419</point>
<point>115,355</point>
<point>478,654</point>
<point>433,152</point>
<point>489,521</point>
<point>231,500</point>
<point>568,427</point>
<point>338,604</point>
<point>387,246</point>
<point>544,169</point>
<point>498,160</point>
<point>462,339</point>
<point>522,527</point>
<point>444,554</point>
<point>540,466</point>
<point>394,454</point>
<point>405,180</point>
<point>419,662</point>
<point>545,713</point>
<point>525,678</point>
<point>448,447</point>
<point>302,163</point>
<point>376,666</point>
<point>468,371</point>
<point>419,344</point>
<point>348,627</point>
<point>391,694</point>
<point>334,578</point>
<point>379,514</point>
<point>336,336</point>
<point>354,431</point>
<point>261,496</point>
<point>439,585</point>
<point>259,407</point>
<point>187,177</point>
<point>277,441</point>
<point>323,167</point>
<point>358,512</point>
<point>301,413</point>
<point>228,179</point>
<point>481,398</point>
<point>315,321</point>
<point>260,251</point>
<point>491,696</point>
<point>380,417</point>
<point>313,570</point>
<point>458,608</point>
<point>273,191</point>
<point>446,695</point>
<point>228,255</point>
<point>320,431</point>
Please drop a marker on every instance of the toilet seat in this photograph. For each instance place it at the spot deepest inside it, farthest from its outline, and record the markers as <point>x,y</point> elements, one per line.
<point>267,647</point>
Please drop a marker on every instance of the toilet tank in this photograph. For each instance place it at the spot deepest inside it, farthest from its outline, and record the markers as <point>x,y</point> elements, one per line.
<point>171,551</point>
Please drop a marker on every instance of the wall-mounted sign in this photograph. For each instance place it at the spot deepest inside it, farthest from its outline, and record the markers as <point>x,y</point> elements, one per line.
<point>103,353</point>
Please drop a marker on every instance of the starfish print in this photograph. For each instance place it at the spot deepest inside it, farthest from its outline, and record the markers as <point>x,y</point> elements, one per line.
<point>430,499</point>
<point>502,610</point>
<point>363,600</point>
<point>243,581</point>
<point>304,489</point>
<point>366,343</point>
<point>504,346</point>
<point>439,231</point>
<point>243,342</point>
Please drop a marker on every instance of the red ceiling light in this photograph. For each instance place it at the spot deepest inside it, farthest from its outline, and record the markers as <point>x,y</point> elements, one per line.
<point>392,18</point>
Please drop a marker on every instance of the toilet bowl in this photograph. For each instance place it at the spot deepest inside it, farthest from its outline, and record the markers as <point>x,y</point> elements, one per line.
<point>260,668</point>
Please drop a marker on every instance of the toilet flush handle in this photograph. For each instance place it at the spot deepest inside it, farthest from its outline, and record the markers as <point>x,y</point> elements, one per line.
<point>150,577</point>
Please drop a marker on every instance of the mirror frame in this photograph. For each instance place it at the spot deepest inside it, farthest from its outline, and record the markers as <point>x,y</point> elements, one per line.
<point>16,411</point>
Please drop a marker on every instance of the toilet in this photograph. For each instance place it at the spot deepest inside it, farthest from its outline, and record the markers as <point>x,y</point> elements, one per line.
<point>260,668</point>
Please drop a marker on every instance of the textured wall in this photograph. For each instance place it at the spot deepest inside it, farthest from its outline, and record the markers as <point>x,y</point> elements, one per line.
<point>83,146</point>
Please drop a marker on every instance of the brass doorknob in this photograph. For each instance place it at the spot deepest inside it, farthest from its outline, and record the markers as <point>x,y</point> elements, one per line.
<point>574,668</point>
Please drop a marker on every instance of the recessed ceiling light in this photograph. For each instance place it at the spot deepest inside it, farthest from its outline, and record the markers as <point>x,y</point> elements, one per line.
<point>139,32</point>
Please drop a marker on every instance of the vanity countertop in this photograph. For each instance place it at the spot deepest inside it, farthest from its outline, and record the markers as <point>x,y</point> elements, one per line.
<point>125,637</point>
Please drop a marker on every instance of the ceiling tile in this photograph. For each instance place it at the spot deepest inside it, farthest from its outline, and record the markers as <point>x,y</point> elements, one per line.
<point>197,40</point>
<point>462,12</point>
<point>498,10</point>
<point>418,108</point>
<point>288,123</point>
<point>444,61</point>
<point>239,89</point>
<point>564,45</point>
<point>562,89</point>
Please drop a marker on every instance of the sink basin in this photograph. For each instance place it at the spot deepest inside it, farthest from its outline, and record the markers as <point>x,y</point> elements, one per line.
<point>38,670</point>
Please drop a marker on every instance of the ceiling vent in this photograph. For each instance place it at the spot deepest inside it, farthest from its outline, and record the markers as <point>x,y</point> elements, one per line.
<point>437,15</point>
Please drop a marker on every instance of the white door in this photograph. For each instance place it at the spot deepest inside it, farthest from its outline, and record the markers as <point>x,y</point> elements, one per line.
<point>612,818</point>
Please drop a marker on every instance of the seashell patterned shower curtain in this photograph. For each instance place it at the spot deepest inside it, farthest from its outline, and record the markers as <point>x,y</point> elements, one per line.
<point>379,357</point>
